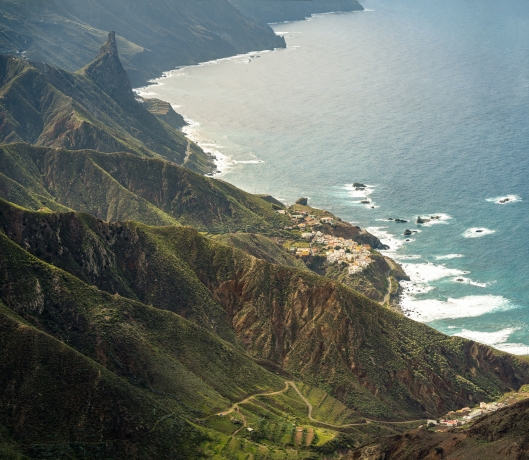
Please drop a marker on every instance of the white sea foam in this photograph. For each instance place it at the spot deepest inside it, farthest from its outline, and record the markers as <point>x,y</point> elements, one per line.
<point>361,194</point>
<point>510,199</point>
<point>449,256</point>
<point>514,348</point>
<point>464,307</point>
<point>463,280</point>
<point>477,232</point>
<point>408,257</point>
<point>428,272</point>
<point>247,162</point>
<point>144,93</point>
<point>222,161</point>
<point>386,238</point>
<point>488,338</point>
<point>421,275</point>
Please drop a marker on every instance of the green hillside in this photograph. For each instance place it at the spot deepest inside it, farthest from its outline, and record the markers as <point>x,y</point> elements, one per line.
<point>375,361</point>
<point>121,186</point>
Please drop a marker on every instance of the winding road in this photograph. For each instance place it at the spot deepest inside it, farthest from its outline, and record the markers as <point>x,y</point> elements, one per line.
<point>288,383</point>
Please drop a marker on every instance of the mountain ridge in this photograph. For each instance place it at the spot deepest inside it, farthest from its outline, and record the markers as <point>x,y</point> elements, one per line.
<point>94,108</point>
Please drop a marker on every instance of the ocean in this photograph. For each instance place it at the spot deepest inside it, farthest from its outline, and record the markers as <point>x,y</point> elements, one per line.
<point>425,101</point>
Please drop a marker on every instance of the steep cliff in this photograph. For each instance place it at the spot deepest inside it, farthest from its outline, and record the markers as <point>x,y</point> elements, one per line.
<point>94,108</point>
<point>153,36</point>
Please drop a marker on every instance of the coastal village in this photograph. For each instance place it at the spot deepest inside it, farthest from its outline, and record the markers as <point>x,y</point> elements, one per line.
<point>313,241</point>
<point>466,415</point>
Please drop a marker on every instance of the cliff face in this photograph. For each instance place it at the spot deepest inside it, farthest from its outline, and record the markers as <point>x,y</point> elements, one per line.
<point>152,36</point>
<point>292,10</point>
<point>107,72</point>
<point>92,109</point>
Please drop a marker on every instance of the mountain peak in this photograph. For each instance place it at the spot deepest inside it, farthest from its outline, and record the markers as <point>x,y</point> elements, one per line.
<point>110,46</point>
<point>107,72</point>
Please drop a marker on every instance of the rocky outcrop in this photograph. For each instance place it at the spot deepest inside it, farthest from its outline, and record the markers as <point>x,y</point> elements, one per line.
<point>272,200</point>
<point>107,72</point>
<point>302,201</point>
<point>165,112</point>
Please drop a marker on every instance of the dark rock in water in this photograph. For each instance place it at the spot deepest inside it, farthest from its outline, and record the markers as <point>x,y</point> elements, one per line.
<point>402,221</point>
<point>408,239</point>
<point>383,247</point>
<point>365,201</point>
<point>302,201</point>
<point>407,232</point>
<point>391,218</point>
<point>505,200</point>
<point>435,217</point>
<point>479,231</point>
<point>359,185</point>
<point>372,207</point>
<point>420,220</point>
<point>460,280</point>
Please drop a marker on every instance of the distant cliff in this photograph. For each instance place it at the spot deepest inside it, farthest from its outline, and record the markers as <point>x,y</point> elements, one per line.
<point>292,10</point>
<point>152,36</point>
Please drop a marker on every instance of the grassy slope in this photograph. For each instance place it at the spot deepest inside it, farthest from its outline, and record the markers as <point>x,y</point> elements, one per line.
<point>261,247</point>
<point>135,364</point>
<point>125,187</point>
<point>373,360</point>
<point>153,37</point>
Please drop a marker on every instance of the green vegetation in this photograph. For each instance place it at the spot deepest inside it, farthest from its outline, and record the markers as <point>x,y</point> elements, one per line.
<point>261,247</point>
<point>120,187</point>
<point>338,339</point>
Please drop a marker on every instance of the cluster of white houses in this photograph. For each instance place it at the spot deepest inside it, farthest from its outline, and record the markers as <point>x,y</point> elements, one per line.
<point>465,415</point>
<point>339,250</point>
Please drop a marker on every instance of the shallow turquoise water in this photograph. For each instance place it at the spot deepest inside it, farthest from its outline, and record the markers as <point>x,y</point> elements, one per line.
<point>426,101</point>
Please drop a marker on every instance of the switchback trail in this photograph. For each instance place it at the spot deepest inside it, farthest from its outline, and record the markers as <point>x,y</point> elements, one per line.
<point>288,383</point>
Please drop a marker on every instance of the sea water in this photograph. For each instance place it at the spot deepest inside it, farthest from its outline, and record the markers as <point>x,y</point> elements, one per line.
<point>425,101</point>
